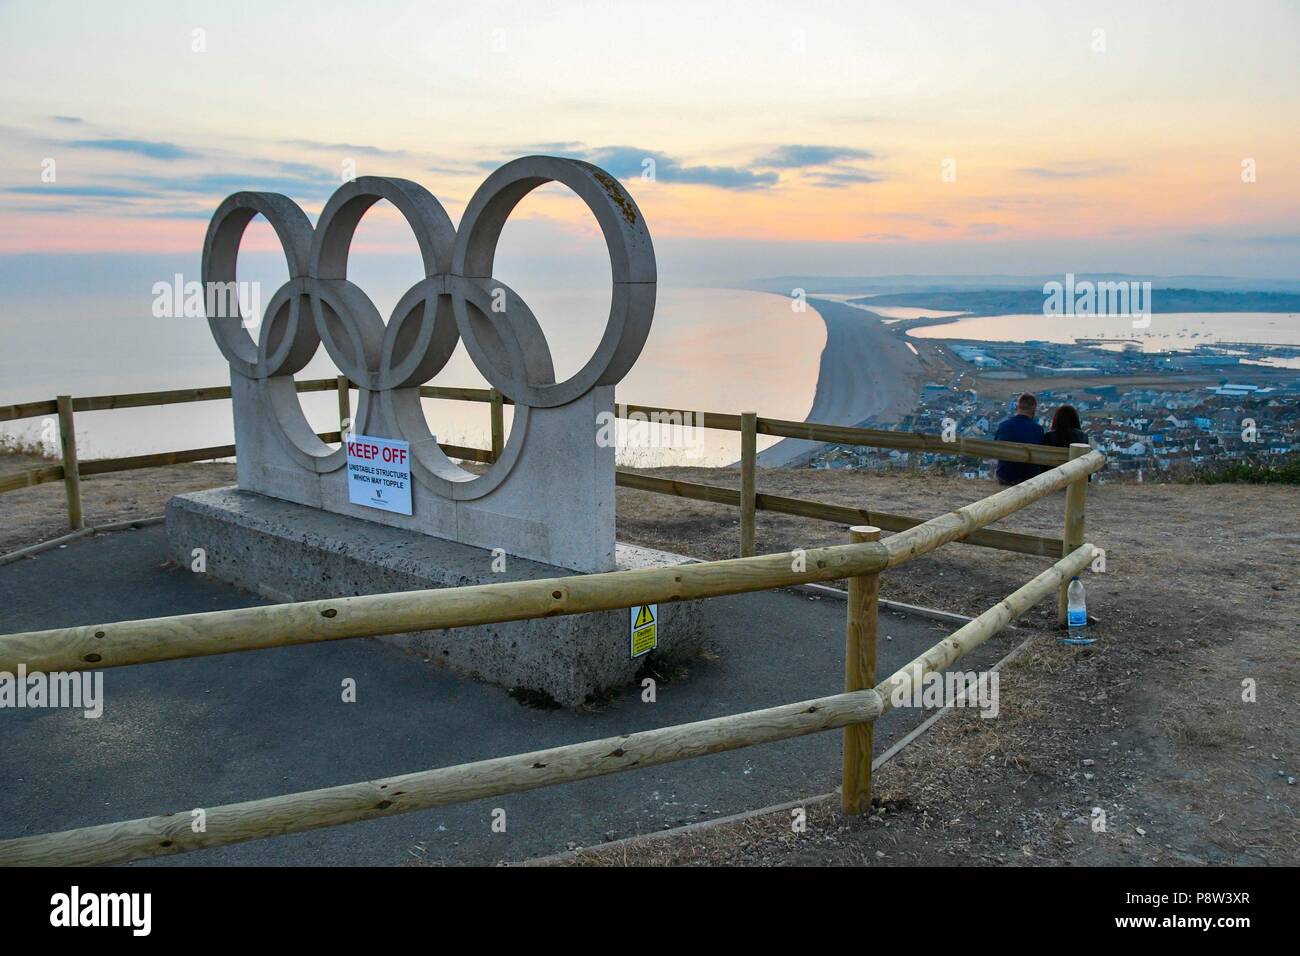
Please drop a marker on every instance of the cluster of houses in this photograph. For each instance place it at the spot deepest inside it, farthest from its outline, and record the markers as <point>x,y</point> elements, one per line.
<point>1141,430</point>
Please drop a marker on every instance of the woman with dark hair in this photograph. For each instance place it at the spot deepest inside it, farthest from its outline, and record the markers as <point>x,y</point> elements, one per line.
<point>1066,428</point>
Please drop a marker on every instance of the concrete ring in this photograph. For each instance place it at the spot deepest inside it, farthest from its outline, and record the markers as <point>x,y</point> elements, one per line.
<point>349,327</point>
<point>518,344</point>
<point>221,253</point>
<point>287,339</point>
<point>415,342</point>
<point>430,465</point>
<point>338,223</point>
<point>632,265</point>
<point>420,337</point>
<point>295,433</point>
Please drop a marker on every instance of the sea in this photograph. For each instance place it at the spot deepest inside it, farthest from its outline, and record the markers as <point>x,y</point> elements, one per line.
<point>719,350</point>
<point>1166,331</point>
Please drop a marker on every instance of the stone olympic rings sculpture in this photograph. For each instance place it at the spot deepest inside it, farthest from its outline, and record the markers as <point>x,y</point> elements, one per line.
<point>458,299</point>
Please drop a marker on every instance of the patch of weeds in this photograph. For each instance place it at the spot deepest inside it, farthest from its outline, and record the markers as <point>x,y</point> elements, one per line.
<point>19,445</point>
<point>599,698</point>
<point>534,698</point>
<point>891,805</point>
<point>661,666</point>
<point>1251,471</point>
<point>665,667</point>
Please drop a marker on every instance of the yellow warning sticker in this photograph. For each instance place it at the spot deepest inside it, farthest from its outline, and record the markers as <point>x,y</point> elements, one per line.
<point>643,622</point>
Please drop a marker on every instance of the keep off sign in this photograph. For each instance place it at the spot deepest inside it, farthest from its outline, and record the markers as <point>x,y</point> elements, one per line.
<point>379,473</point>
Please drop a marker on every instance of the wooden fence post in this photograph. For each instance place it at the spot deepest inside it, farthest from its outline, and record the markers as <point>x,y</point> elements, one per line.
<point>1076,498</point>
<point>498,424</point>
<point>748,454</point>
<point>71,474</point>
<point>859,674</point>
<point>345,408</point>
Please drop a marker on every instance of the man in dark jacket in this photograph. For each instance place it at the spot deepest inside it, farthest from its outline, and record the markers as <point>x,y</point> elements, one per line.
<point>1020,427</point>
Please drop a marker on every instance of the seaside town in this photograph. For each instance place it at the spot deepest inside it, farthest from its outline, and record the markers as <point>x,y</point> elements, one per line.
<point>1156,414</point>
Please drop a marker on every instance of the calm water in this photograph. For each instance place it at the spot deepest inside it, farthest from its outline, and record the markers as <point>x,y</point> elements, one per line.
<point>1167,332</point>
<point>1174,330</point>
<point>710,349</point>
<point>890,313</point>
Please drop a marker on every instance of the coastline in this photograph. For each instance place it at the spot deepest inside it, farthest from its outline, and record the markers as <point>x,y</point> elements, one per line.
<point>866,372</point>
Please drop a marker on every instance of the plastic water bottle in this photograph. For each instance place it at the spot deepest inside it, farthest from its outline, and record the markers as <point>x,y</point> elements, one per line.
<point>1078,614</point>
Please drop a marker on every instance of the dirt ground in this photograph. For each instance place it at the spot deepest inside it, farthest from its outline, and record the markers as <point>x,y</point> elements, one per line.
<point>1155,724</point>
<point>1201,594</point>
<point>40,513</point>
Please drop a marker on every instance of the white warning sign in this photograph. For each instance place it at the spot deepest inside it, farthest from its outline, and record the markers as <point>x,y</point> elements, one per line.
<point>379,473</point>
<point>643,628</point>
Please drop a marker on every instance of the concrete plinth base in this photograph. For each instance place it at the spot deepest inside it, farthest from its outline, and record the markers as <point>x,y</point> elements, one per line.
<point>292,552</point>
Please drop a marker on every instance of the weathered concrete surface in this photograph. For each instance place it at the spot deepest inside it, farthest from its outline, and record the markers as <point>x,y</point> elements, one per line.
<point>290,552</point>
<point>550,498</point>
<point>183,734</point>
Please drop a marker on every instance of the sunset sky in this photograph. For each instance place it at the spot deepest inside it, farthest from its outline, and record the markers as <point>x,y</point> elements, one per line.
<point>785,139</point>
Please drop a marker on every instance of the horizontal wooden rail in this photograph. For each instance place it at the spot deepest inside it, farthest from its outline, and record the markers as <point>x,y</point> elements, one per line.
<point>717,420</point>
<point>32,549</point>
<point>293,813</point>
<point>9,413</point>
<point>180,396</point>
<point>915,441</point>
<point>99,403</point>
<point>104,466</point>
<point>695,491</point>
<point>30,477</point>
<point>959,524</point>
<point>306,622</point>
<point>852,435</point>
<point>812,431</point>
<point>1016,541</point>
<point>1004,540</point>
<point>466,453</point>
<point>899,685</point>
<point>104,403</point>
<point>458,394</point>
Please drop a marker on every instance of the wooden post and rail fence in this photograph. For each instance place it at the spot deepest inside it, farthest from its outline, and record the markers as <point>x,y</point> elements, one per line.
<point>861,562</point>
<point>863,701</point>
<point>860,674</point>
<point>748,424</point>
